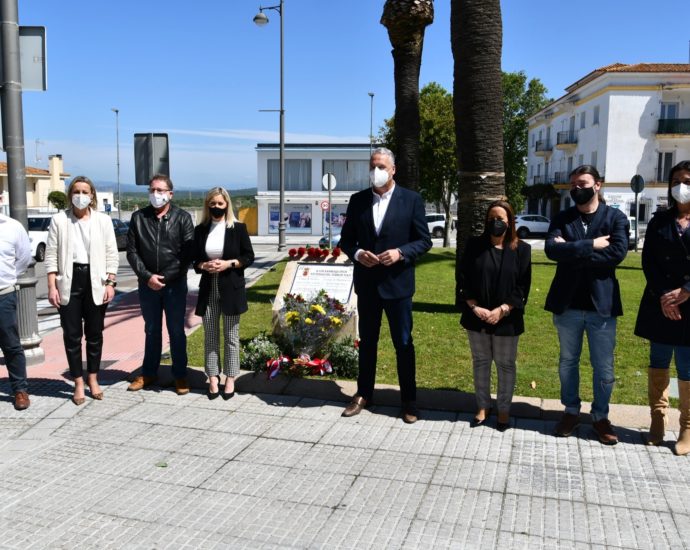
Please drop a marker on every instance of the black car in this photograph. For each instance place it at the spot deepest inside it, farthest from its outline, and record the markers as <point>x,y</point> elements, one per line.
<point>121,229</point>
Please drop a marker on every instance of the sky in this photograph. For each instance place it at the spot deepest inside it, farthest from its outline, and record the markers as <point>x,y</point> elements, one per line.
<point>201,71</point>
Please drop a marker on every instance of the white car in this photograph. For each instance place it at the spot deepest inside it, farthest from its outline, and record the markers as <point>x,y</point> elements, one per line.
<point>437,224</point>
<point>527,224</point>
<point>38,235</point>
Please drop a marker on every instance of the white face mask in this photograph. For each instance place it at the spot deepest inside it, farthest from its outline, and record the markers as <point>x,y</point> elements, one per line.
<point>378,177</point>
<point>158,200</point>
<point>81,201</point>
<point>681,193</point>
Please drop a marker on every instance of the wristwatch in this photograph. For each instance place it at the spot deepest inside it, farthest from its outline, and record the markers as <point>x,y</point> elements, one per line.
<point>110,282</point>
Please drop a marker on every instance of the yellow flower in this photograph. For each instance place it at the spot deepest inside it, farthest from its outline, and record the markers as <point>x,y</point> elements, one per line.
<point>308,321</point>
<point>291,317</point>
<point>317,308</point>
<point>335,321</point>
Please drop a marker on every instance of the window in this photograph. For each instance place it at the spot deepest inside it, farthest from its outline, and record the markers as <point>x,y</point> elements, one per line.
<point>297,175</point>
<point>583,119</point>
<point>664,165</point>
<point>594,159</point>
<point>595,115</point>
<point>570,165</point>
<point>350,175</point>
<point>669,110</point>
<point>580,160</point>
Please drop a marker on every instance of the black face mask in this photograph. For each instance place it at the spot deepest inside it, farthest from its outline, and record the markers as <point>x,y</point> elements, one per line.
<point>497,227</point>
<point>217,212</point>
<point>582,195</point>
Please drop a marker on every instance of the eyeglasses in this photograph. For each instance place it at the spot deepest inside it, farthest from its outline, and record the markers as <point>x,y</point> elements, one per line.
<point>151,190</point>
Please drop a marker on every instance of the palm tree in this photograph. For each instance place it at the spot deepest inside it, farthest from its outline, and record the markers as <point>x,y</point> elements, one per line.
<point>406,21</point>
<point>476,34</point>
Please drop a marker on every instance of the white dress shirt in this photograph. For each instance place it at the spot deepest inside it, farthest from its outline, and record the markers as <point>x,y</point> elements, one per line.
<point>15,251</point>
<point>379,209</point>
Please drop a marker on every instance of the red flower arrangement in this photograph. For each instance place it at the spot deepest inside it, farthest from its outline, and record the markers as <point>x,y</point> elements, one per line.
<point>292,252</point>
<point>335,252</point>
<point>301,251</point>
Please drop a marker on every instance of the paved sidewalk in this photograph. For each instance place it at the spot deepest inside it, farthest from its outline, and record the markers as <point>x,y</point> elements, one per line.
<point>276,467</point>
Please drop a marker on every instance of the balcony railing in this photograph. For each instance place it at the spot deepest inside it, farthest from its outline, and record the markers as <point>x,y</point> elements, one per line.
<point>560,178</point>
<point>543,145</point>
<point>566,138</point>
<point>538,180</point>
<point>674,126</point>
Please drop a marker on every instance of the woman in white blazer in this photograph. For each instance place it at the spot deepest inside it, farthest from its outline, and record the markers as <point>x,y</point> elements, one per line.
<point>81,263</point>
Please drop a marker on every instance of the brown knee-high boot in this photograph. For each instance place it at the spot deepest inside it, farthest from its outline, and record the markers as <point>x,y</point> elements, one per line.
<point>657,392</point>
<point>683,444</point>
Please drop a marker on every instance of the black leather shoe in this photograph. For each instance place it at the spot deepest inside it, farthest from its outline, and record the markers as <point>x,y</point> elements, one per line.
<point>476,422</point>
<point>355,406</point>
<point>502,426</point>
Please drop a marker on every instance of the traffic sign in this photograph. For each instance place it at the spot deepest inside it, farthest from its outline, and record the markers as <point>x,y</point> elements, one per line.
<point>637,183</point>
<point>324,205</point>
<point>325,179</point>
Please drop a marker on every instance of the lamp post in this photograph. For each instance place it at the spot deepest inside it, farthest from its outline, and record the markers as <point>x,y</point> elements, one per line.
<point>261,19</point>
<point>117,142</point>
<point>371,122</point>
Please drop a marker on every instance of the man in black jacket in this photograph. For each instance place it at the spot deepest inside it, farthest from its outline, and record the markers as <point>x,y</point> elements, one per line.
<point>587,241</point>
<point>159,251</point>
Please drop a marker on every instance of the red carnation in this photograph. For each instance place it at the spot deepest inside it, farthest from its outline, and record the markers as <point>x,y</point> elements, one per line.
<point>301,250</point>
<point>292,252</point>
<point>335,252</point>
<point>324,253</point>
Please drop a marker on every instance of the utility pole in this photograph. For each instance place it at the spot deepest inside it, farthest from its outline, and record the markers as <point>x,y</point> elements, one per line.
<point>13,135</point>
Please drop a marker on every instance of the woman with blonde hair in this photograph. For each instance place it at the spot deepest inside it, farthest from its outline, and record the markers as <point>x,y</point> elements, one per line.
<point>222,250</point>
<point>81,263</point>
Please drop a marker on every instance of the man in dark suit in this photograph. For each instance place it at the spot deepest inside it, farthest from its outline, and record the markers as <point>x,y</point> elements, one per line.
<point>587,241</point>
<point>385,231</point>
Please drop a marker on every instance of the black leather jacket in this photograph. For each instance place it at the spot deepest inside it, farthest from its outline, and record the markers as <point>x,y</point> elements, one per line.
<point>160,246</point>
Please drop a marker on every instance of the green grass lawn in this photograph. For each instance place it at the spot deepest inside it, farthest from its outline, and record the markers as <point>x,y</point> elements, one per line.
<point>443,356</point>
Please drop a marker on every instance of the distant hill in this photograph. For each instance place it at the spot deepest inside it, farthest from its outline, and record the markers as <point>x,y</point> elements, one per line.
<point>193,192</point>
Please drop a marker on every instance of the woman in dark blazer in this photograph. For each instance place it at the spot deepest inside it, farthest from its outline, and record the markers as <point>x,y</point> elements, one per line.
<point>222,250</point>
<point>492,286</point>
<point>664,314</point>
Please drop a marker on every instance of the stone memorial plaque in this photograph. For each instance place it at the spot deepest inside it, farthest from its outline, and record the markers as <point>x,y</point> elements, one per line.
<point>335,279</point>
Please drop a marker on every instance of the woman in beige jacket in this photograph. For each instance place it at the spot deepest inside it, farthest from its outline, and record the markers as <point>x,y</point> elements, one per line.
<point>81,263</point>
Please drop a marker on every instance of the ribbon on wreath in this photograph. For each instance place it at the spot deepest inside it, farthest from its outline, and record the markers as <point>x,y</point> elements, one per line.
<point>314,366</point>
<point>274,366</point>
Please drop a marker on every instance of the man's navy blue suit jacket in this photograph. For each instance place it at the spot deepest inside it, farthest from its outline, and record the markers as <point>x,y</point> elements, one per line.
<point>403,227</point>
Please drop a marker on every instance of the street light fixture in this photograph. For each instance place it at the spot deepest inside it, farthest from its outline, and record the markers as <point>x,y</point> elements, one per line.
<point>117,141</point>
<point>371,122</point>
<point>261,19</point>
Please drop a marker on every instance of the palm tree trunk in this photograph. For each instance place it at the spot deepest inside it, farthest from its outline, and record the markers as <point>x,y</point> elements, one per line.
<point>406,21</point>
<point>476,38</point>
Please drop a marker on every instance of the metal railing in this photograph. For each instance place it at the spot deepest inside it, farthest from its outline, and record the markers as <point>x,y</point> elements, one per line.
<point>674,126</point>
<point>560,178</point>
<point>543,145</point>
<point>566,138</point>
<point>538,180</point>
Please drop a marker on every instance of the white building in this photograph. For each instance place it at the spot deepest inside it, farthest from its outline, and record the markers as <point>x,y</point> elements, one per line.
<point>305,166</point>
<point>623,119</point>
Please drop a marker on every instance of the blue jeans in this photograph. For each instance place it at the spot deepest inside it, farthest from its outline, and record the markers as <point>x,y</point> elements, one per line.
<point>172,299</point>
<point>15,360</point>
<point>660,356</point>
<point>601,336</point>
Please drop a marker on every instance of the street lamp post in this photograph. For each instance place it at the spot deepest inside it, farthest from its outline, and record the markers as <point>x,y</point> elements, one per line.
<point>261,19</point>
<point>117,142</point>
<point>371,122</point>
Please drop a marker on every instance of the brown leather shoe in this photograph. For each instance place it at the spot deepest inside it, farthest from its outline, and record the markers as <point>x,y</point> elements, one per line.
<point>410,413</point>
<point>605,432</point>
<point>355,406</point>
<point>141,382</point>
<point>181,386</point>
<point>21,400</point>
<point>567,425</point>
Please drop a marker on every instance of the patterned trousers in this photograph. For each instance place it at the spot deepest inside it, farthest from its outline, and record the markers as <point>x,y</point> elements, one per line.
<point>231,336</point>
<point>488,348</point>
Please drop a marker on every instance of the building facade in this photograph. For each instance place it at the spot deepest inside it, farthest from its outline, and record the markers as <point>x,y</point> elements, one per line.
<point>39,184</point>
<point>623,119</point>
<point>306,199</point>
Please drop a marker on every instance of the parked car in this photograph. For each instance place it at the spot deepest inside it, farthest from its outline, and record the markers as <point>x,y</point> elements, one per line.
<point>437,224</point>
<point>631,233</point>
<point>121,230</point>
<point>528,224</point>
<point>38,235</point>
<point>323,241</point>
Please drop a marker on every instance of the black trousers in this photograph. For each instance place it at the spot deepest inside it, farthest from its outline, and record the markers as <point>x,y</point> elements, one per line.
<point>81,317</point>
<point>370,307</point>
